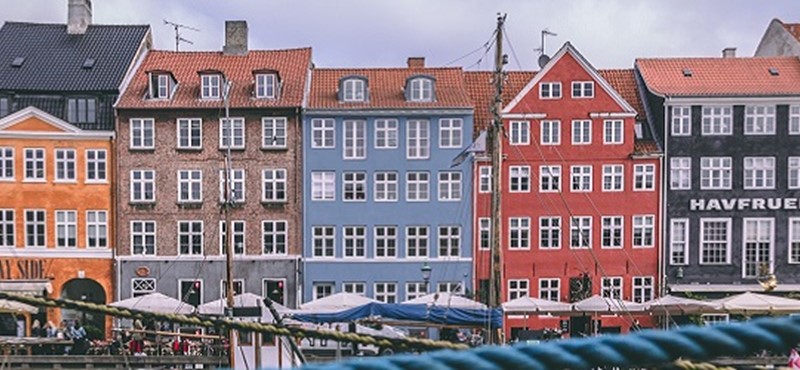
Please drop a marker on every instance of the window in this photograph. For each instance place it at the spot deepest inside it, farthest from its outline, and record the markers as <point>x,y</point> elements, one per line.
<point>448,287</point>
<point>322,290</point>
<point>681,121</point>
<point>273,132</point>
<point>142,133</point>
<point>550,289</point>
<point>160,86</point>
<point>385,186</point>
<point>418,139</point>
<point>550,90</point>
<point>34,164</point>
<point>415,290</point>
<point>718,120</point>
<point>611,287</point>
<point>643,230</point>
<point>238,238</point>
<point>354,186</point>
<point>613,132</point>
<point>190,186</point>
<point>549,232</point>
<point>359,288</point>
<point>520,133</point>
<point>759,172</point>
<point>517,288</point>
<point>273,185</point>
<point>581,132</point>
<point>417,186</point>
<point>583,89</point>
<point>551,132</point>
<point>715,240</point>
<point>613,177</point>
<point>710,319</point>
<point>96,229</point>
<point>642,288</point>
<point>190,133</point>
<point>549,178</point>
<point>386,242</point>
<point>794,172</point>
<point>386,292</point>
<point>519,233</point>
<point>612,232</point>
<point>324,240</point>
<point>794,120</point>
<point>353,90</point>
<point>715,173</point>
<point>355,241</point>
<point>680,173</point>
<point>35,231</point>
<point>323,133</point>
<point>644,177</point>
<point>266,86</point>
<point>794,237</point>
<point>416,241</point>
<point>485,233</point>
<point>95,165</point>
<point>142,286</point>
<point>581,232</point>
<point>355,139</point>
<point>679,242</point>
<point>759,120</point>
<point>238,287</point>
<point>449,186</point>
<point>581,178</point>
<point>450,132</point>
<point>190,237</point>
<point>210,86</point>
<point>520,179</point>
<point>7,228</point>
<point>65,165</point>
<point>385,133</point>
<point>4,107</point>
<point>6,163</point>
<point>82,110</point>
<point>231,133</point>
<point>236,185</point>
<point>449,241</point>
<point>191,292</point>
<point>485,179</point>
<point>273,237</point>
<point>143,238</point>
<point>759,236</point>
<point>323,185</point>
<point>421,89</point>
<point>67,229</point>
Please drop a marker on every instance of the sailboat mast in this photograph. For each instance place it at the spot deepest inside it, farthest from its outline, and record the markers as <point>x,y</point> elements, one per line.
<point>495,138</point>
<point>228,230</point>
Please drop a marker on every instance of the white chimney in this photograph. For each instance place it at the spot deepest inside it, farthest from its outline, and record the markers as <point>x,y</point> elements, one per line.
<point>235,38</point>
<point>729,52</point>
<point>79,16</point>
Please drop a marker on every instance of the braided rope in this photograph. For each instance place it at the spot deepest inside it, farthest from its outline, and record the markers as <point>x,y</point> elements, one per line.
<point>643,349</point>
<point>688,365</point>
<point>379,341</point>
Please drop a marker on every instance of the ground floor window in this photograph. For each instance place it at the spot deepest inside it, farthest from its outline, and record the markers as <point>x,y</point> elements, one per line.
<point>142,286</point>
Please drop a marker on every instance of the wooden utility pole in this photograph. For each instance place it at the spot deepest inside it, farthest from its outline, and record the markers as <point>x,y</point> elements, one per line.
<point>495,137</point>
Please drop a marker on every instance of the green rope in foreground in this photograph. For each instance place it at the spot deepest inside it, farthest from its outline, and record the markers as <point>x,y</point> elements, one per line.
<point>411,344</point>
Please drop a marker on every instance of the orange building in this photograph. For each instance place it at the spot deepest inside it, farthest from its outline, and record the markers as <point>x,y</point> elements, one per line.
<point>56,213</point>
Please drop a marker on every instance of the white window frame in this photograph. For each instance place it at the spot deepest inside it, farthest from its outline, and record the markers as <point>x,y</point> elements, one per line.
<point>716,170</point>
<point>238,184</point>
<point>146,178</point>
<point>35,165</point>
<point>66,165</point>
<point>323,133</point>
<point>418,142</point>
<point>210,86</point>
<point>759,239</point>
<point>144,235</point>
<point>643,231</point>
<point>550,90</point>
<point>644,177</point>
<point>417,242</point>
<point>520,133</point>
<point>680,173</point>
<point>325,235</point>
<point>35,229</point>
<point>355,287</point>
<point>162,90</point>
<point>189,133</point>
<point>385,291</point>
<point>550,132</point>
<point>612,287</point>
<point>451,133</point>
<point>794,120</point>
<point>274,132</point>
<point>681,120</point>
<point>96,229</point>
<point>759,173</point>
<point>266,86</point>
<point>519,233</point>
<point>322,290</point>
<point>238,287</point>
<point>759,120</point>
<point>354,139</point>
<point>354,241</point>
<point>239,237</point>
<point>484,233</point>
<point>584,89</point>
<point>385,241</point>
<point>66,229</point>
<point>192,180</point>
<point>614,228</point>
<point>7,172</point>
<point>418,187</point>
<point>421,89</point>
<point>274,236</point>
<point>518,288</point>
<point>354,90</point>
<point>581,176</point>
<point>702,242</point>
<point>8,226</point>
<point>484,179</point>
<point>386,133</point>
<point>277,181</point>
<point>191,233</point>
<point>616,174</point>
<point>580,225</point>
<point>323,186</point>
<point>613,131</point>
<point>550,288</point>
<point>710,319</point>
<point>143,132</point>
<point>717,120</point>
<point>550,231</point>
<point>386,186</point>
<point>679,242</point>
<point>581,132</point>
<point>519,179</point>
<point>415,289</point>
<point>793,253</point>
<point>237,132</point>
<point>642,288</point>
<point>549,179</point>
<point>96,166</point>
<point>354,186</point>
<point>450,186</point>
<point>793,164</point>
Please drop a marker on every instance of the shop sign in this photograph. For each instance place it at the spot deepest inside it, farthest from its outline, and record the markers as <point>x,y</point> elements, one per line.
<point>24,269</point>
<point>743,204</point>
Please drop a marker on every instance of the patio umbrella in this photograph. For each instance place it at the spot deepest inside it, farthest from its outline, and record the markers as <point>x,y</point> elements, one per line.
<point>335,302</point>
<point>670,304</point>
<point>242,300</point>
<point>13,306</point>
<point>535,305</point>
<point>604,305</point>
<point>447,300</point>
<point>752,303</point>
<point>155,302</point>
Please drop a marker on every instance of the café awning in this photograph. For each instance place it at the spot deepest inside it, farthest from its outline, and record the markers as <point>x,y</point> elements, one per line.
<point>28,287</point>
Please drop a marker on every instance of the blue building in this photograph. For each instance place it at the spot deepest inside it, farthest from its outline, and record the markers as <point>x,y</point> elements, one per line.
<point>380,197</point>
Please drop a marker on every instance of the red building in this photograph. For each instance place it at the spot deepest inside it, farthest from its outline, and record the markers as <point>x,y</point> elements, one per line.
<point>581,184</point>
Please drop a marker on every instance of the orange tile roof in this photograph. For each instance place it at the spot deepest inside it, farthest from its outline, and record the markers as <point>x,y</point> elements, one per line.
<point>385,88</point>
<point>292,67</point>
<point>722,76</point>
<point>793,28</point>
<point>624,82</point>
<point>645,147</point>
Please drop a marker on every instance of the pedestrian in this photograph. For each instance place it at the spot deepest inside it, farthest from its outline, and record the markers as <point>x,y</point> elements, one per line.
<point>36,329</point>
<point>78,335</point>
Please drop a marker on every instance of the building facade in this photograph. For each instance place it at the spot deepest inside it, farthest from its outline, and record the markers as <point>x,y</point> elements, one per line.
<point>381,198</point>
<point>732,173</point>
<point>173,136</point>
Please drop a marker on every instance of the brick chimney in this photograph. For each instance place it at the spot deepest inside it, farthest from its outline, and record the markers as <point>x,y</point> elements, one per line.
<point>416,62</point>
<point>235,38</point>
<point>729,52</point>
<point>79,16</point>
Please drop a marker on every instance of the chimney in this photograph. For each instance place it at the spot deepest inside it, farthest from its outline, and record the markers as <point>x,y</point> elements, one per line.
<point>729,52</point>
<point>79,16</point>
<point>235,38</point>
<point>416,62</point>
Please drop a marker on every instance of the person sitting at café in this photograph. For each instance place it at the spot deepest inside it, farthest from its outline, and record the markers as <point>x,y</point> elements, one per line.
<point>78,335</point>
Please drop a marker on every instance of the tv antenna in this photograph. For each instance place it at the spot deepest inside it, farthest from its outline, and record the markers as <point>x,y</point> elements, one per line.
<point>543,58</point>
<point>178,38</point>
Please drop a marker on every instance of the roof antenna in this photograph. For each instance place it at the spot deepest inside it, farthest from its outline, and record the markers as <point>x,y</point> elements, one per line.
<point>543,58</point>
<point>178,38</point>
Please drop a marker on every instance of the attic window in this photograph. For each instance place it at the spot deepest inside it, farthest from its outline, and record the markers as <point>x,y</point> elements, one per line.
<point>266,85</point>
<point>354,89</point>
<point>17,62</point>
<point>687,72</point>
<point>773,72</point>
<point>88,63</point>
<point>420,89</point>
<point>161,85</point>
<point>211,86</point>
<point>637,130</point>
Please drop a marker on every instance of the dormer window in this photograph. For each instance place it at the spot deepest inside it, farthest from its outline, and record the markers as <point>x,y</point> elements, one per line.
<point>211,86</point>
<point>161,85</point>
<point>420,89</point>
<point>266,85</point>
<point>354,89</point>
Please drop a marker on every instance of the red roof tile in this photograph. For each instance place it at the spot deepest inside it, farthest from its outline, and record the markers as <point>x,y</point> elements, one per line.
<point>793,28</point>
<point>292,67</point>
<point>645,147</point>
<point>385,88</point>
<point>722,76</point>
<point>624,82</point>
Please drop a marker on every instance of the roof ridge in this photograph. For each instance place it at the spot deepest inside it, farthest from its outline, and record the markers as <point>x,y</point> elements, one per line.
<point>384,68</point>
<point>64,24</point>
<point>719,58</point>
<point>162,51</point>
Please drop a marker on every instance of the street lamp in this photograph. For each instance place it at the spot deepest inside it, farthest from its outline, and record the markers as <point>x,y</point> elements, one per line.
<point>426,274</point>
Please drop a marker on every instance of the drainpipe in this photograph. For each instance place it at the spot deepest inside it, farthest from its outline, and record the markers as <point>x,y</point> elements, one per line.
<point>665,247</point>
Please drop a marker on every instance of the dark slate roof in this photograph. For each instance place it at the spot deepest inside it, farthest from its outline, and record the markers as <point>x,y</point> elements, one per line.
<point>54,59</point>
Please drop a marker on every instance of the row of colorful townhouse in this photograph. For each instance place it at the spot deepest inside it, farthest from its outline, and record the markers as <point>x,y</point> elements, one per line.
<point>615,182</point>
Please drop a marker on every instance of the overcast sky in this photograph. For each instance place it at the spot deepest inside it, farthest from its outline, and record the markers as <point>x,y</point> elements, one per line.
<point>380,33</point>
